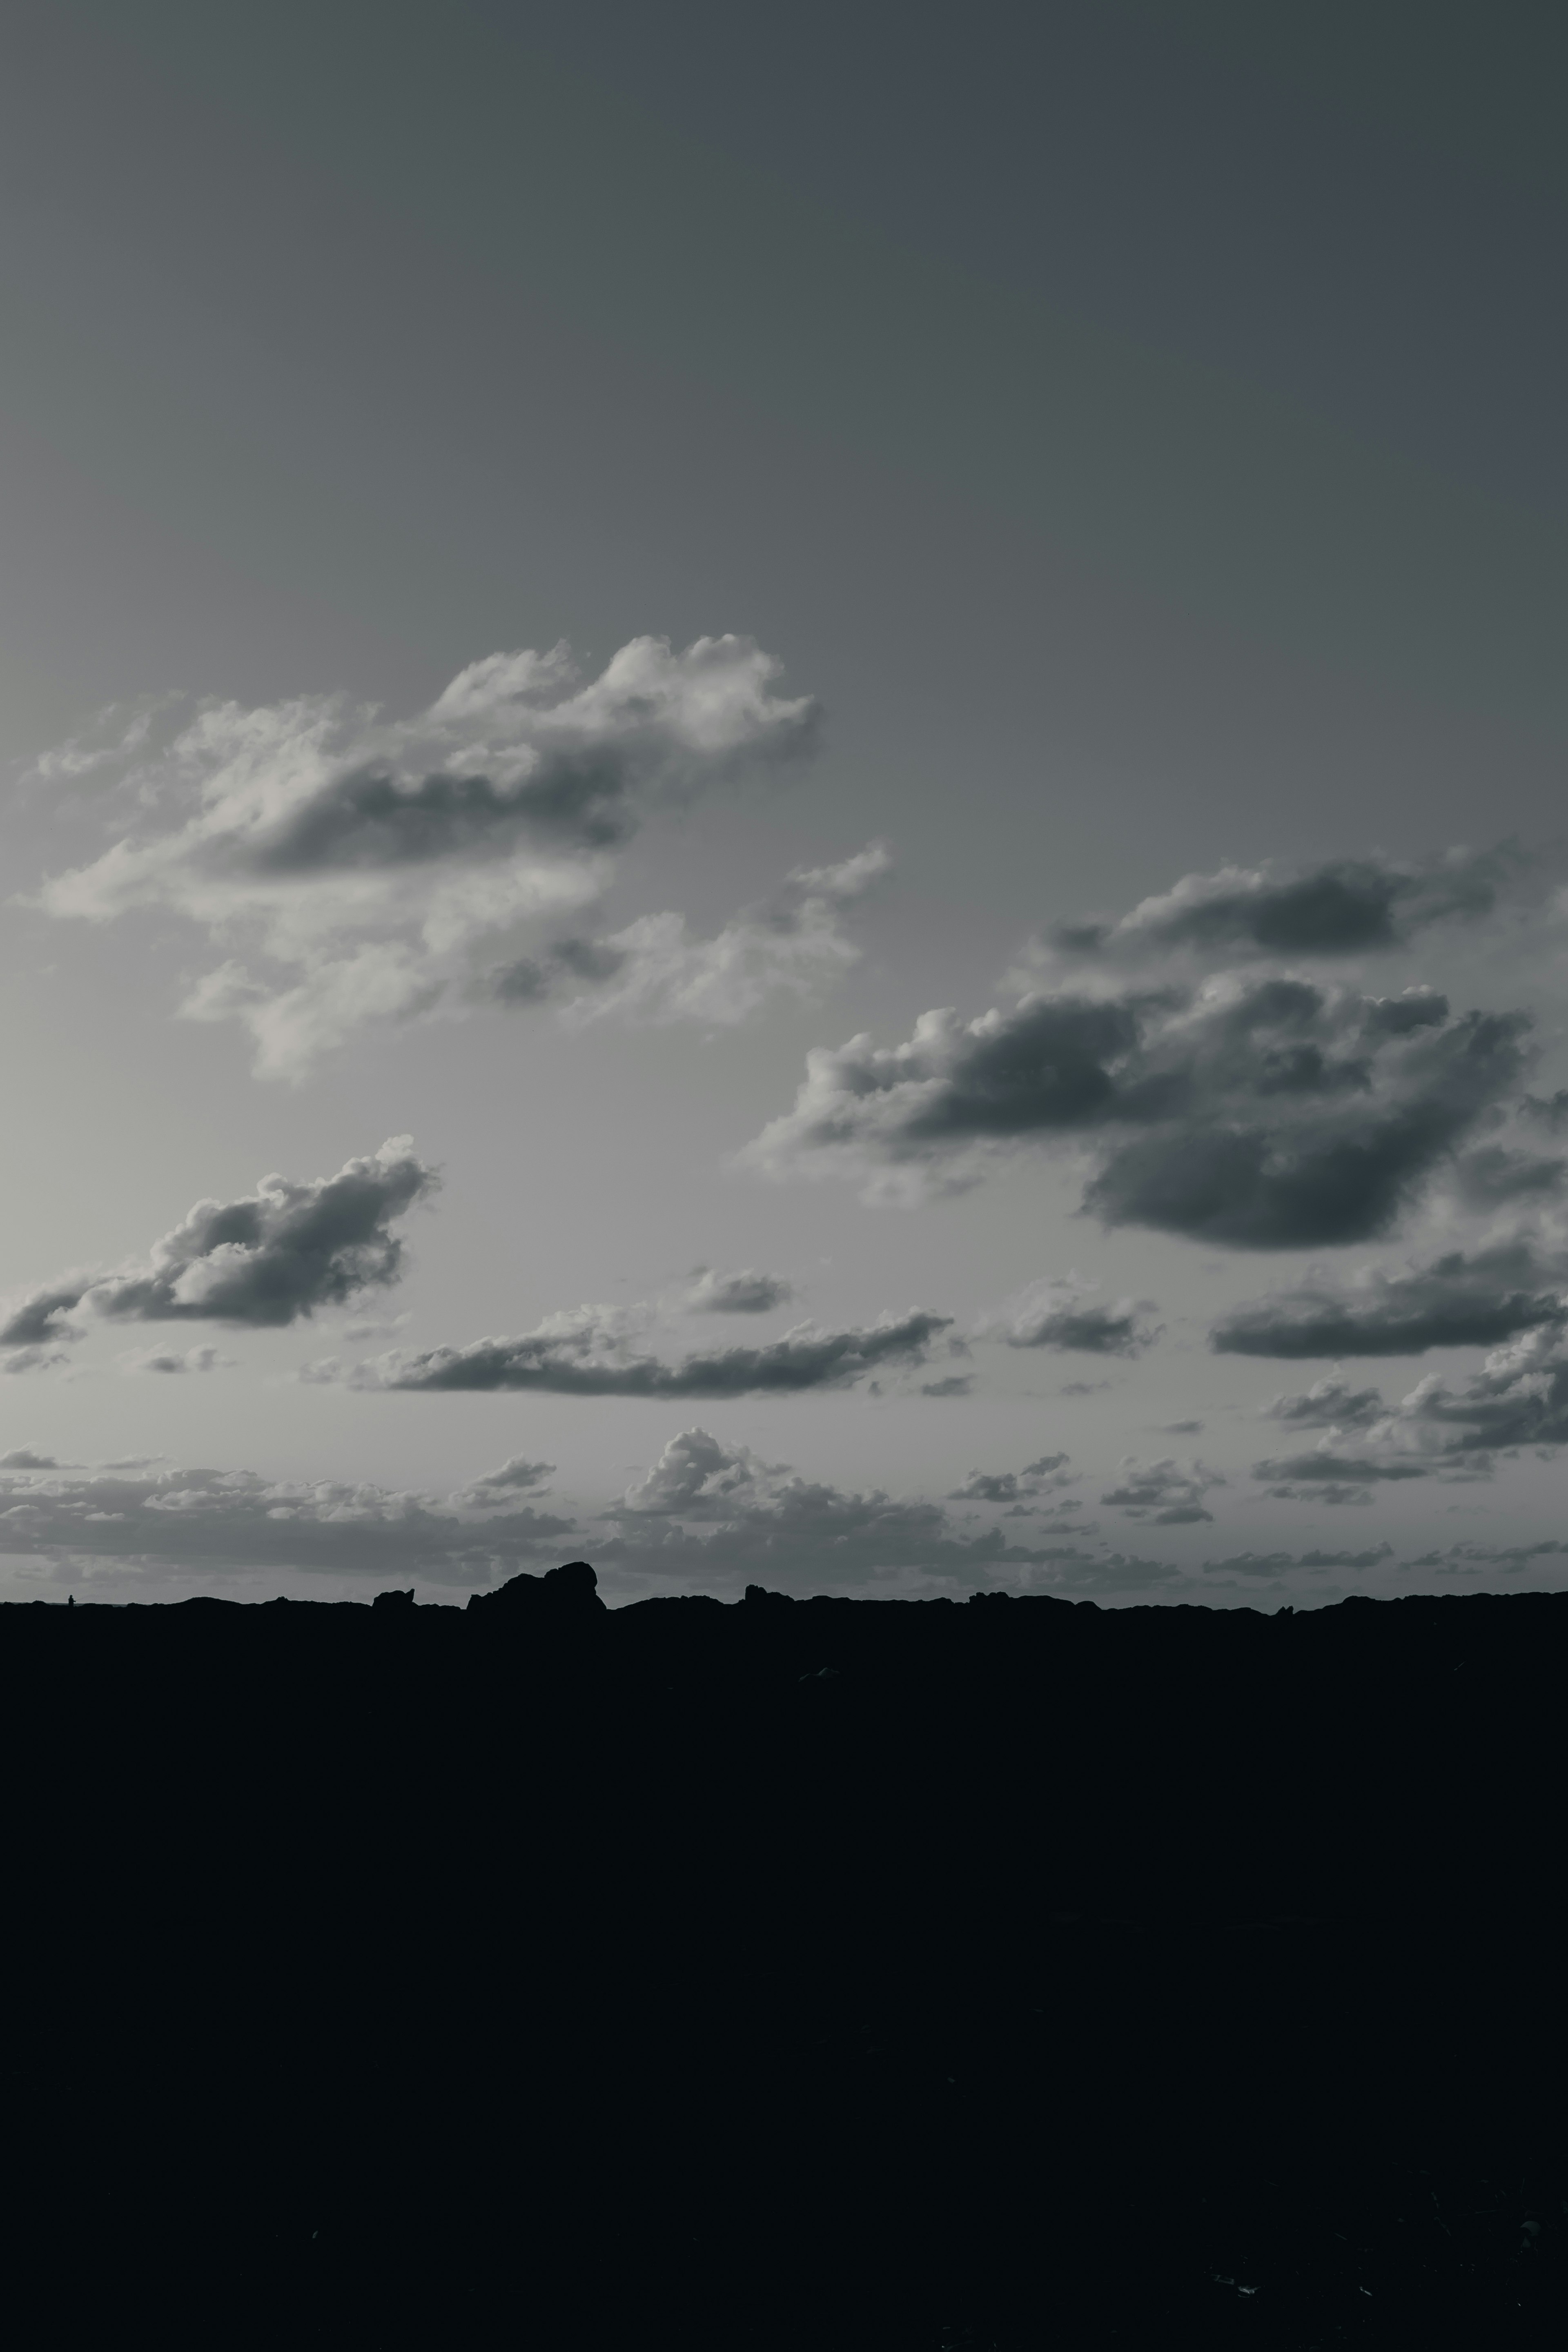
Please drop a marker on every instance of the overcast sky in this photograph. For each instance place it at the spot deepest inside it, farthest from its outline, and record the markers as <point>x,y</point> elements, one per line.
<point>784,798</point>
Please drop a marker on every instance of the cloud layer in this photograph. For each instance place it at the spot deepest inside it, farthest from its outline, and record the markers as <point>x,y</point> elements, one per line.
<point>265,1260</point>
<point>709,1514</point>
<point>367,862</point>
<point>204,1521</point>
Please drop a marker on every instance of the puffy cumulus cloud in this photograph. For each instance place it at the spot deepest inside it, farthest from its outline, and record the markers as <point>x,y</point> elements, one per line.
<point>588,1351</point>
<point>152,1517</point>
<point>27,1457</point>
<point>175,1360</point>
<point>745,1292</point>
<point>1261,1114</point>
<point>655,970</point>
<point>1328,1403</point>
<point>367,862</point>
<point>1348,906</point>
<point>1169,1490</point>
<point>265,1260</point>
<point>1459,1300</point>
<point>712,1516</point>
<point>1519,1397</point>
<point>1280,1563</point>
<point>1064,1314</point>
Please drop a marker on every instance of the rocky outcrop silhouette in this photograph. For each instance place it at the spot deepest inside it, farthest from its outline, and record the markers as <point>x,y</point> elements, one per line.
<point>788,1972</point>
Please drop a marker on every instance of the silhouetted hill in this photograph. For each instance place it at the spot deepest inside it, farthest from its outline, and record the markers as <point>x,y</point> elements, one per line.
<point>790,1973</point>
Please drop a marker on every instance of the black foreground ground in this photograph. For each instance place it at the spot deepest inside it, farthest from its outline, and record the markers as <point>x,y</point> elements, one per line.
<point>786,1974</point>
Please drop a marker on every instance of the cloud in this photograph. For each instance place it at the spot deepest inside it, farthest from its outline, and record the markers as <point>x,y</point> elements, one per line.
<point>1261,1114</point>
<point>1328,1403</point>
<point>1463,1559</point>
<point>169,1360</point>
<point>1494,1177</point>
<point>587,1352</point>
<point>517,1476</point>
<point>1346,907</point>
<point>1457,1301</point>
<point>746,1292</point>
<point>32,1359</point>
<point>369,862</point>
<point>1325,1465</point>
<point>27,1457</point>
<point>1278,1563</point>
<point>1549,1111</point>
<point>653,970</point>
<point>1016,1485</point>
<point>770,1525</point>
<point>265,1260</point>
<point>198,1521</point>
<point>1519,1397</point>
<point>1054,1314</point>
<point>1172,1491</point>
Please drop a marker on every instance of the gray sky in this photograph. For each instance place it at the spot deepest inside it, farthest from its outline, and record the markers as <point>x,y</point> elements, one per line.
<point>990,468</point>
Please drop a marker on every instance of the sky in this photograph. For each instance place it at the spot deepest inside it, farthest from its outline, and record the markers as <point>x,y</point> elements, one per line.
<point>783,799</point>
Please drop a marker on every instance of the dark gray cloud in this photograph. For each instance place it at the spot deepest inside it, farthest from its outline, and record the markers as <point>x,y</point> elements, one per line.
<point>1347,907</point>
<point>1170,1490</point>
<point>265,1260</point>
<point>1063,1316</point>
<point>952,1384</point>
<point>201,1521</point>
<point>1328,1403</point>
<point>1457,1301</point>
<point>25,1457</point>
<point>587,1353</point>
<point>1466,1560</point>
<point>1267,1115</point>
<point>1049,1472</point>
<point>744,1292</point>
<point>1278,1563</point>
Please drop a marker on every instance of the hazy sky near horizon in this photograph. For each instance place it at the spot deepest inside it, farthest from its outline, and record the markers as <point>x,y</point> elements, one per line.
<point>783,798</point>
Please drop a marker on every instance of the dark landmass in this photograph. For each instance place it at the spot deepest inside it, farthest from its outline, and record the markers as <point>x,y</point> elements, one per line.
<point>788,1974</point>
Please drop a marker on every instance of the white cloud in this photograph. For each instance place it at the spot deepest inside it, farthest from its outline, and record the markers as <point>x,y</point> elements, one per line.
<point>365,862</point>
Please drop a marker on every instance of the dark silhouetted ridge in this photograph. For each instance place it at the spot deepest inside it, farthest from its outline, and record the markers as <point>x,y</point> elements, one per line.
<point>788,1973</point>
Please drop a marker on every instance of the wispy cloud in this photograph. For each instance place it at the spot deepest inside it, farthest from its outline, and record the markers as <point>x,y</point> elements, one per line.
<point>590,1352</point>
<point>366,862</point>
